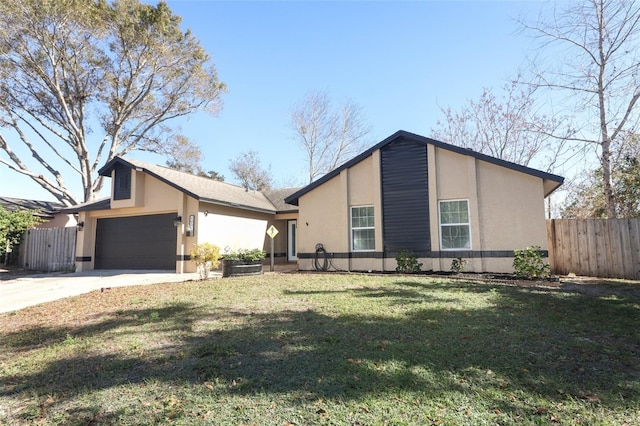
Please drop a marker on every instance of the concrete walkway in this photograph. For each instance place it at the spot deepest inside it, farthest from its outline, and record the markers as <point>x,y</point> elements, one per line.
<point>29,290</point>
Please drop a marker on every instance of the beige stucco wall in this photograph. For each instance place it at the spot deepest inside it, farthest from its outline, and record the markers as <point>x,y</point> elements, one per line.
<point>506,211</point>
<point>324,215</point>
<point>59,220</point>
<point>232,229</point>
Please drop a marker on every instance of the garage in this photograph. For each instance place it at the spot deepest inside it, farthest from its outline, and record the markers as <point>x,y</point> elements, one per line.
<point>139,242</point>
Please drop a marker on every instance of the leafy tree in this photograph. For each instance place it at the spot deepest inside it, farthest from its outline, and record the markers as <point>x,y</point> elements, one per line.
<point>82,81</point>
<point>248,170</point>
<point>212,174</point>
<point>12,226</point>
<point>590,53</point>
<point>187,158</point>
<point>329,136</point>
<point>586,198</point>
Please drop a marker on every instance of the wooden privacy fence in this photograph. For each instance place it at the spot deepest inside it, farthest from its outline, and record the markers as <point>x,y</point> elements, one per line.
<point>595,247</point>
<point>49,250</point>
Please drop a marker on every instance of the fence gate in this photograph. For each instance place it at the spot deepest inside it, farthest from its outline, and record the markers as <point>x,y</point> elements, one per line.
<point>595,247</point>
<point>48,249</point>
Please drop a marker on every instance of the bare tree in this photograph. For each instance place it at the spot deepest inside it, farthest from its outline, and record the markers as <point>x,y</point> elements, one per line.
<point>594,59</point>
<point>248,170</point>
<point>509,128</point>
<point>328,136</point>
<point>83,81</point>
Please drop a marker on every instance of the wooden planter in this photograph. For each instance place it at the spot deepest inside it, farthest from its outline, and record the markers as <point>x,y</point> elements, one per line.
<point>235,268</point>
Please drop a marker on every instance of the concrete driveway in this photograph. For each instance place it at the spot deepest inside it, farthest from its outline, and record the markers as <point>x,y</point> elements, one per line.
<point>29,290</point>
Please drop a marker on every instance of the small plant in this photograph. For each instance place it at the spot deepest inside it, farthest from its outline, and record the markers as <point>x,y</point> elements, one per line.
<point>407,262</point>
<point>458,264</point>
<point>70,340</point>
<point>245,255</point>
<point>528,263</point>
<point>206,256</point>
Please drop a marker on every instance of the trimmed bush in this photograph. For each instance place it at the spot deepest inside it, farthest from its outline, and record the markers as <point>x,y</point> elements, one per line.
<point>407,262</point>
<point>528,263</point>
<point>206,256</point>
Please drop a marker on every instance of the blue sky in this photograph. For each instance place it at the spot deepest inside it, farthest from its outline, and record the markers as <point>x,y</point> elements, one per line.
<point>400,61</point>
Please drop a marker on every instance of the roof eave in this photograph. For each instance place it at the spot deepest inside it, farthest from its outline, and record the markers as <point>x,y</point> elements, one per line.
<point>237,206</point>
<point>293,198</point>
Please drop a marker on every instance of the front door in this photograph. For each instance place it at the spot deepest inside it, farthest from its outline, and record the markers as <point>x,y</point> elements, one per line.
<point>292,240</point>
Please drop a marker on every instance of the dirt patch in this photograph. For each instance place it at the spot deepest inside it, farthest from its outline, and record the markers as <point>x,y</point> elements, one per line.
<point>601,286</point>
<point>591,286</point>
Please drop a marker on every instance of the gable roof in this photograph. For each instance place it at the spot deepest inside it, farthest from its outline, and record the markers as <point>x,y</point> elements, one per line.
<point>100,204</point>
<point>554,180</point>
<point>45,208</point>
<point>201,188</point>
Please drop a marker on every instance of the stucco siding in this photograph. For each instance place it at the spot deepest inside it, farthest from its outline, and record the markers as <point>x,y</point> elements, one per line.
<point>231,229</point>
<point>511,209</point>
<point>361,183</point>
<point>452,179</point>
<point>321,218</point>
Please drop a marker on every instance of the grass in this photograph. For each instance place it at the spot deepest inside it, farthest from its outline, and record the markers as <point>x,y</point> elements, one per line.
<point>307,349</point>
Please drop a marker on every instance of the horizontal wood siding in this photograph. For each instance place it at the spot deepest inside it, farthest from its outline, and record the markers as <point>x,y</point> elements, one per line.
<point>405,197</point>
<point>48,249</point>
<point>608,248</point>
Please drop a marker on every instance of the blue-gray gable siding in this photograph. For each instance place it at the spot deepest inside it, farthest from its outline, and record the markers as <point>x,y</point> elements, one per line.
<point>405,197</point>
<point>122,182</point>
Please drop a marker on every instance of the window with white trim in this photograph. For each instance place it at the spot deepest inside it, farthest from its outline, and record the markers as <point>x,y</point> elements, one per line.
<point>363,234</point>
<point>455,228</point>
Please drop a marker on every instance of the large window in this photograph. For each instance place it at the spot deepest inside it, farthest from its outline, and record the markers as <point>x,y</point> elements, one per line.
<point>455,231</point>
<point>363,232</point>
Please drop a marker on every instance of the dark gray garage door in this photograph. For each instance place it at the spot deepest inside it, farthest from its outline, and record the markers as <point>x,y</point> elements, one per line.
<point>140,242</point>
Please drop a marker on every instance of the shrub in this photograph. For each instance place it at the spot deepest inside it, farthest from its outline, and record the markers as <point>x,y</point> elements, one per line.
<point>458,264</point>
<point>528,263</point>
<point>245,255</point>
<point>206,256</point>
<point>407,262</point>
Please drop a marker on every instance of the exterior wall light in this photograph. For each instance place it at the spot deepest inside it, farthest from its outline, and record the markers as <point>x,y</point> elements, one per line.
<point>177,221</point>
<point>80,226</point>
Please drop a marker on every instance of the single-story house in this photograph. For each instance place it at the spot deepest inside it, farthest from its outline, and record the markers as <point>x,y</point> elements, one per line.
<point>155,215</point>
<point>49,211</point>
<point>433,199</point>
<point>408,192</point>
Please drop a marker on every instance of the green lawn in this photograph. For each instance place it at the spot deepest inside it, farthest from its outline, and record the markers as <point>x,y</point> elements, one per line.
<point>305,349</point>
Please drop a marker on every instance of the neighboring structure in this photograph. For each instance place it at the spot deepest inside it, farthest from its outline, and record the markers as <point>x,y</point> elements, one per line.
<point>155,215</point>
<point>436,200</point>
<point>49,211</point>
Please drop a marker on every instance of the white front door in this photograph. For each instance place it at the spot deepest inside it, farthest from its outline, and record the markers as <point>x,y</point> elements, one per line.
<point>292,240</point>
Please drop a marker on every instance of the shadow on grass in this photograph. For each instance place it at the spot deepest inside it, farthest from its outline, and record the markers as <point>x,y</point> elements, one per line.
<point>545,344</point>
<point>177,316</point>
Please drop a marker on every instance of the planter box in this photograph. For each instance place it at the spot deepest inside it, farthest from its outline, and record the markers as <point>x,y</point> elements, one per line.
<point>235,268</point>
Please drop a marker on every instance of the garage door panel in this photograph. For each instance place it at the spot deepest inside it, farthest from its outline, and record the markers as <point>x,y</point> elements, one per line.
<point>140,242</point>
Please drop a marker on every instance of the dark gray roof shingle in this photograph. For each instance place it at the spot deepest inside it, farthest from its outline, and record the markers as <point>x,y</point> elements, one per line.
<point>201,188</point>
<point>277,196</point>
<point>45,208</point>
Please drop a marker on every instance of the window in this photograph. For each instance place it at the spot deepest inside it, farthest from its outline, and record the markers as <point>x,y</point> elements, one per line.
<point>455,231</point>
<point>363,232</point>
